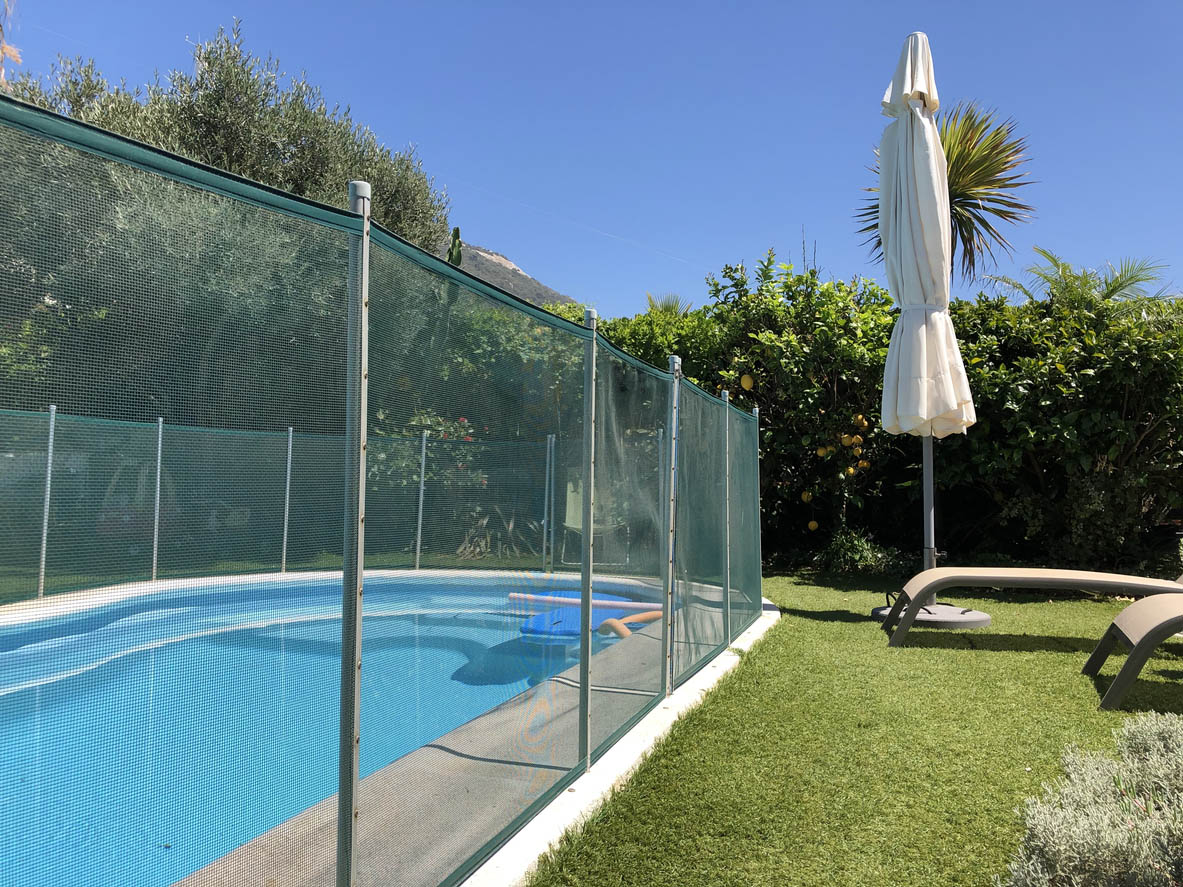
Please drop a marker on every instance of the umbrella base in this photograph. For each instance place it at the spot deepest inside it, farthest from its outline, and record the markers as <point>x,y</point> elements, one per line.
<point>942,616</point>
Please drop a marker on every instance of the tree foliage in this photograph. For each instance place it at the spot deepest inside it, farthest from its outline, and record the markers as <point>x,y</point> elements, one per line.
<point>239,112</point>
<point>1079,391</point>
<point>985,159</point>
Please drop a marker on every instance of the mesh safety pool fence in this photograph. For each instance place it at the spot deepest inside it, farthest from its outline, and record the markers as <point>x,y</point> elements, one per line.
<point>554,534</point>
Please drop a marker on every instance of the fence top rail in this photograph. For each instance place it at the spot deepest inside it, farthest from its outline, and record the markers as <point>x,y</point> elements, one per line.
<point>93,140</point>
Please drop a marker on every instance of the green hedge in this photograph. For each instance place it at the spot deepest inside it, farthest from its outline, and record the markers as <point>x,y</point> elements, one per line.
<point>1074,460</point>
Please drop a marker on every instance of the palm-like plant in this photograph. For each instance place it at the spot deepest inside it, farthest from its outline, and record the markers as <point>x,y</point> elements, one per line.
<point>667,303</point>
<point>1126,282</point>
<point>984,158</point>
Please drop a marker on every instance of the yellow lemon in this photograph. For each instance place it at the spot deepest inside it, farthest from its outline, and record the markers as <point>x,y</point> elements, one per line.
<point>859,420</point>
<point>746,382</point>
<point>863,463</point>
<point>858,451</point>
<point>812,525</point>
<point>823,451</point>
<point>806,496</point>
<point>857,440</point>
<point>850,471</point>
<point>847,440</point>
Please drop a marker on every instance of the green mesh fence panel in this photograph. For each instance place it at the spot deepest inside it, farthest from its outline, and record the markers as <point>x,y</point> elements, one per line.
<point>24,445</point>
<point>316,522</point>
<point>171,714</point>
<point>102,503</point>
<point>148,732</point>
<point>483,503</point>
<point>744,514</point>
<point>699,542</point>
<point>630,537</point>
<point>489,385</point>
<point>392,501</point>
<point>222,504</point>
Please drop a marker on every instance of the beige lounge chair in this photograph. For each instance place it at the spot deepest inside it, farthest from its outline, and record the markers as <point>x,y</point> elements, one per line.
<point>1141,627</point>
<point>923,587</point>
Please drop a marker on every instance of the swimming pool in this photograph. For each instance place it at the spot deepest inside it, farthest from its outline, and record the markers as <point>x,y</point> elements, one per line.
<point>144,735</point>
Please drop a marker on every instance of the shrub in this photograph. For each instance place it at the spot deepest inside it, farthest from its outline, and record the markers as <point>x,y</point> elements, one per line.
<point>854,551</point>
<point>1106,822</point>
<point>1075,458</point>
<point>813,354</point>
<point>1077,451</point>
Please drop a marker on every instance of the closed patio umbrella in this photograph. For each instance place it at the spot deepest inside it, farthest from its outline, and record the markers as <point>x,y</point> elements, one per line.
<point>925,390</point>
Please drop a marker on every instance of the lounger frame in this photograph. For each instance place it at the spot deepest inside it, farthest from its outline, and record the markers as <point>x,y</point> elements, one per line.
<point>922,588</point>
<point>1140,627</point>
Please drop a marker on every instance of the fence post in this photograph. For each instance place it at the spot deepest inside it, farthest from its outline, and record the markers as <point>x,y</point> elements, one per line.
<point>156,507</point>
<point>554,447</point>
<point>287,503</point>
<point>547,517</point>
<point>588,538</point>
<point>422,478</point>
<point>53,412</point>
<point>759,514</point>
<point>671,501</point>
<point>357,344</point>
<point>726,395</point>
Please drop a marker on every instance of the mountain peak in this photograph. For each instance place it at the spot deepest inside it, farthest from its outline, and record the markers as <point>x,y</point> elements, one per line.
<point>492,267</point>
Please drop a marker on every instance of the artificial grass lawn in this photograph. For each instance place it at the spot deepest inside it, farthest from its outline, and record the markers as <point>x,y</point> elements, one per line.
<point>828,758</point>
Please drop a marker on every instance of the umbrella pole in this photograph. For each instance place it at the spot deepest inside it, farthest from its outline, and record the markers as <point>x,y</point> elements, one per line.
<point>930,542</point>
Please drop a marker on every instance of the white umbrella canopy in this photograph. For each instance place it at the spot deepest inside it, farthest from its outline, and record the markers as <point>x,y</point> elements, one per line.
<point>925,390</point>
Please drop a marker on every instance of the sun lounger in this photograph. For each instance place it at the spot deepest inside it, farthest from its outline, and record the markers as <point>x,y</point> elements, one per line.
<point>923,587</point>
<point>1141,627</point>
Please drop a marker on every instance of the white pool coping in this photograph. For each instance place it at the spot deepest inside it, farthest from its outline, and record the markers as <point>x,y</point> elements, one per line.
<point>74,602</point>
<point>513,863</point>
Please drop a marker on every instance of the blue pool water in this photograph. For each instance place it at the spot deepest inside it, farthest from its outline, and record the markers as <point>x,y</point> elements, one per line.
<point>142,739</point>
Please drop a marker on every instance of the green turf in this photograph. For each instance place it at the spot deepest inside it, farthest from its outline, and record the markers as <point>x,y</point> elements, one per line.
<point>828,758</point>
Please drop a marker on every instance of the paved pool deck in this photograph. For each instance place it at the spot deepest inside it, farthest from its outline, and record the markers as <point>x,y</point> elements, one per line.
<point>425,814</point>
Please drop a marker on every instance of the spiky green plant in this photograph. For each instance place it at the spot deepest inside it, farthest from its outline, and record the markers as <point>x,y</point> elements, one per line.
<point>454,249</point>
<point>1125,282</point>
<point>667,303</point>
<point>985,160</point>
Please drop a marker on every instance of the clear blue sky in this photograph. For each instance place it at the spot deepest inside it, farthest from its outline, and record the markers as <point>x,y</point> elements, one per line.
<point>611,149</point>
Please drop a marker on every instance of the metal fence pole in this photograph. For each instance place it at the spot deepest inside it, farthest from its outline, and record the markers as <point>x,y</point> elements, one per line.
<point>588,538</point>
<point>53,412</point>
<point>422,478</point>
<point>554,448</point>
<point>287,504</point>
<point>661,463</point>
<point>759,534</point>
<point>354,543</point>
<point>156,507</point>
<point>546,515</point>
<point>671,501</point>
<point>726,516</point>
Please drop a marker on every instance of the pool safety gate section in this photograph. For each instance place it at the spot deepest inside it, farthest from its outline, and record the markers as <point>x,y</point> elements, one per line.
<point>204,377</point>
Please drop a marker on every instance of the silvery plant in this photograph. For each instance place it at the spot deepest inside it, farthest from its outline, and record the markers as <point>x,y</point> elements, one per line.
<point>1107,822</point>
